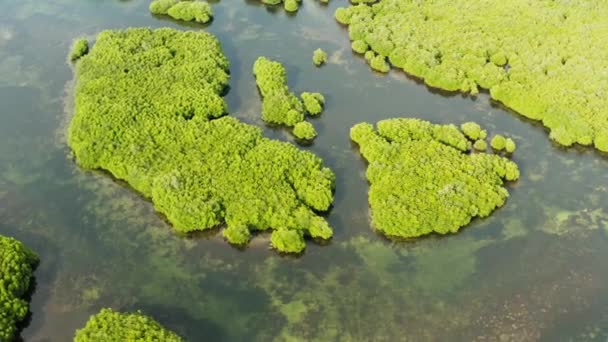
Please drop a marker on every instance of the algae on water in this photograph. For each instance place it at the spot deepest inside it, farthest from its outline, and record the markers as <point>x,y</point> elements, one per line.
<point>145,110</point>
<point>545,59</point>
<point>424,180</point>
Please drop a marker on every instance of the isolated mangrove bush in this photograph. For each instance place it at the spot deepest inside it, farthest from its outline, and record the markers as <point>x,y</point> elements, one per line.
<point>186,10</point>
<point>112,326</point>
<point>17,264</point>
<point>304,130</point>
<point>424,180</point>
<point>544,59</point>
<point>144,105</point>
<point>319,57</point>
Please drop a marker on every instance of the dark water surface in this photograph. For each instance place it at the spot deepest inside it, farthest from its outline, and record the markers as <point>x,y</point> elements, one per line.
<point>535,270</point>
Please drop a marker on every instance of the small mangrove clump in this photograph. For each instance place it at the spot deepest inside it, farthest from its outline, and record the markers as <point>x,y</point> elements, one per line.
<point>79,49</point>
<point>279,105</point>
<point>423,180</point>
<point>147,108</point>
<point>186,10</point>
<point>304,130</point>
<point>111,326</point>
<point>288,5</point>
<point>319,57</point>
<point>313,103</point>
<point>17,264</point>
<point>537,57</point>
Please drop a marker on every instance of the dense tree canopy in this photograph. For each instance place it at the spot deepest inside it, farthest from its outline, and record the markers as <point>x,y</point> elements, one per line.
<point>186,10</point>
<point>143,109</point>
<point>545,59</point>
<point>17,263</point>
<point>111,326</point>
<point>423,178</point>
<point>281,106</point>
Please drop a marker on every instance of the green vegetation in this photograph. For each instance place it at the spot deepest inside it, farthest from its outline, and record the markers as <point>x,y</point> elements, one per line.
<point>17,264</point>
<point>304,130</point>
<point>510,145</point>
<point>289,5</point>
<point>110,326</point>
<point>480,145</point>
<point>279,105</point>
<point>319,57</point>
<point>539,58</point>
<point>143,108</point>
<point>79,49</point>
<point>473,131</point>
<point>498,142</point>
<point>424,181</point>
<point>186,10</point>
<point>313,102</point>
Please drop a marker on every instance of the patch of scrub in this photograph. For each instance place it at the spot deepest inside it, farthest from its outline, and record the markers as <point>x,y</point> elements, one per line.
<point>279,105</point>
<point>145,108</point>
<point>544,59</point>
<point>424,179</point>
<point>17,264</point>
<point>109,325</point>
<point>199,11</point>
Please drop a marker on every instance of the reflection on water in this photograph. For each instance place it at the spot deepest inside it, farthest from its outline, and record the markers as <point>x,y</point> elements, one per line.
<point>533,270</point>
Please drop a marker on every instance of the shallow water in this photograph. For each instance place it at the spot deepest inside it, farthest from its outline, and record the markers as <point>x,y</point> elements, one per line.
<point>534,270</point>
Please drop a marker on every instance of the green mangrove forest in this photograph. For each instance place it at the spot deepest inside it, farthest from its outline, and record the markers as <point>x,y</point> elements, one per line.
<point>17,266</point>
<point>538,58</point>
<point>110,326</point>
<point>422,180</point>
<point>147,104</point>
<point>179,170</point>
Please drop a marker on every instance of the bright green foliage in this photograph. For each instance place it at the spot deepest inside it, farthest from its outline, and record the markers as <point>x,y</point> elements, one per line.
<point>319,57</point>
<point>313,102</point>
<point>186,10</point>
<point>379,63</point>
<point>162,6</point>
<point>359,46</point>
<point>79,49</point>
<point>17,263</point>
<point>198,11</point>
<point>480,145</point>
<point>279,106</point>
<point>289,241</point>
<point>304,130</point>
<point>111,326</point>
<point>473,131</point>
<point>510,145</point>
<point>143,104</point>
<point>545,59</point>
<point>422,179</point>
<point>498,142</point>
<point>291,5</point>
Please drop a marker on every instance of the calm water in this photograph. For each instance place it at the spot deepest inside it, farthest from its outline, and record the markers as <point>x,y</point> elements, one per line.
<point>535,270</point>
